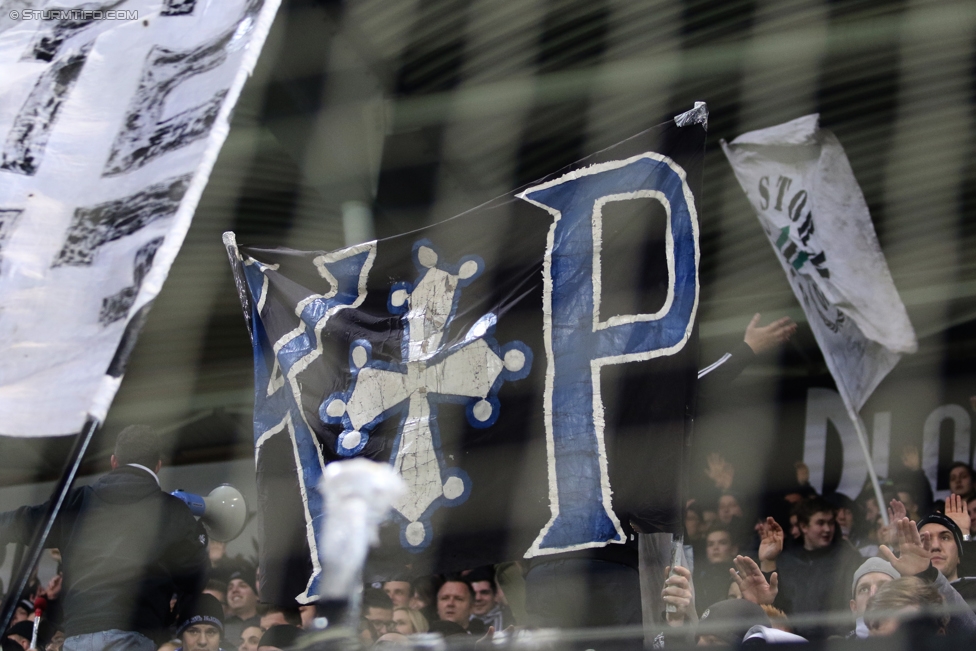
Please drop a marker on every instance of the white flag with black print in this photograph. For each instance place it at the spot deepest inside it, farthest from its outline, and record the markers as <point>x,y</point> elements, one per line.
<point>111,118</point>
<point>798,179</point>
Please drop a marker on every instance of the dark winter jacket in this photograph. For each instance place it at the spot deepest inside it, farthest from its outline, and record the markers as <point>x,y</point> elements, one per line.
<point>816,581</point>
<point>127,547</point>
<point>712,582</point>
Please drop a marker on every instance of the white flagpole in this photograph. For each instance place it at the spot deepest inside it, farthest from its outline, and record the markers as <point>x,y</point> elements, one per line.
<point>862,438</point>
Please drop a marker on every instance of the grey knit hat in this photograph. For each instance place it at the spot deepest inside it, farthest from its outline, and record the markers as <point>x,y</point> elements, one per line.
<point>873,565</point>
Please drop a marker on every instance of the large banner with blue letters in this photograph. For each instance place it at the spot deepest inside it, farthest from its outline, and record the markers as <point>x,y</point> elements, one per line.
<point>528,367</point>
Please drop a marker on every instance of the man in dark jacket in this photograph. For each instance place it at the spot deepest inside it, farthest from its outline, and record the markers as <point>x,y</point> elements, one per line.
<point>127,547</point>
<point>815,577</point>
<point>944,539</point>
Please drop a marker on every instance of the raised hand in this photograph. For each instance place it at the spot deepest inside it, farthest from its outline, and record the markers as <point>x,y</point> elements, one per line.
<point>914,558</point>
<point>679,592</point>
<point>485,641</point>
<point>752,583</point>
<point>910,457</point>
<point>956,510</point>
<point>802,473</point>
<point>763,338</point>
<point>770,543</point>
<point>720,471</point>
<point>53,589</point>
<point>896,511</point>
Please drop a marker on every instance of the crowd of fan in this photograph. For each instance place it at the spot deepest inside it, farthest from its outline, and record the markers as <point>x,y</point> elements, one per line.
<point>807,554</point>
<point>137,572</point>
<point>801,554</point>
<point>768,575</point>
<point>228,615</point>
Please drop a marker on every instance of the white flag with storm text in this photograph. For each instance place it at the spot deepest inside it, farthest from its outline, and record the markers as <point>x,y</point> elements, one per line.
<point>798,179</point>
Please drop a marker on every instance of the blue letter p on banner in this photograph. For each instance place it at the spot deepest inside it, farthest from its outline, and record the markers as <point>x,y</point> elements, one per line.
<point>578,343</point>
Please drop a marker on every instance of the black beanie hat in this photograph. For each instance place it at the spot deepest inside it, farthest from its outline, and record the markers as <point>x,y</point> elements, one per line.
<point>25,629</point>
<point>246,573</point>
<point>739,616</point>
<point>945,521</point>
<point>206,611</point>
<point>280,636</point>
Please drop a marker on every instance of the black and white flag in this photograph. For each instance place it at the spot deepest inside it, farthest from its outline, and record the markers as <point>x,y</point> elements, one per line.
<point>111,117</point>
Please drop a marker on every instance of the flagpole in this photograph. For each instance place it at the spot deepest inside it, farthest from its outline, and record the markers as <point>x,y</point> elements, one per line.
<point>862,438</point>
<point>19,582</point>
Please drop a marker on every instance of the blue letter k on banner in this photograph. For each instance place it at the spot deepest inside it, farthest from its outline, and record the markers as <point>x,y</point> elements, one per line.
<point>578,343</point>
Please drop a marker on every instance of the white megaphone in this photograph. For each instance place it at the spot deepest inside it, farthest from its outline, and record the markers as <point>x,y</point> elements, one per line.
<point>223,512</point>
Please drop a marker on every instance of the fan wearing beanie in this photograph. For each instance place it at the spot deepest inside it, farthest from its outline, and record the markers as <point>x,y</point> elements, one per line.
<point>740,624</point>
<point>279,637</point>
<point>22,632</point>
<point>943,538</point>
<point>871,575</point>
<point>242,601</point>
<point>202,626</point>
<point>725,623</point>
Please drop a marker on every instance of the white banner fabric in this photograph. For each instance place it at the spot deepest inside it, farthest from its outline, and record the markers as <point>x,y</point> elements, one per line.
<point>111,118</point>
<point>798,179</point>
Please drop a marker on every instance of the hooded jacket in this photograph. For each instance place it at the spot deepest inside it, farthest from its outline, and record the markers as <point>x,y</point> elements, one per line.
<point>126,546</point>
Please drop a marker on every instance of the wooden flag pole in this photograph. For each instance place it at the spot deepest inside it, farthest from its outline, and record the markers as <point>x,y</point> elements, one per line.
<point>19,581</point>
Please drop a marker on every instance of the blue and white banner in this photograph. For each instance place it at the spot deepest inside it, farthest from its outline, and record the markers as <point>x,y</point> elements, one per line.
<point>111,117</point>
<point>527,367</point>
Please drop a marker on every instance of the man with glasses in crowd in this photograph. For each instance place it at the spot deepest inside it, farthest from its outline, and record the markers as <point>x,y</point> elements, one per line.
<point>377,618</point>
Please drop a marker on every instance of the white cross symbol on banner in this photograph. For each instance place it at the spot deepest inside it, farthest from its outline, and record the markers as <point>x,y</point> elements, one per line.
<point>430,373</point>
